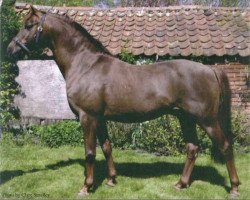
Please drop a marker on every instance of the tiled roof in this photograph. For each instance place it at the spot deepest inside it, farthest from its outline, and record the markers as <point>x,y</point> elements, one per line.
<point>189,30</point>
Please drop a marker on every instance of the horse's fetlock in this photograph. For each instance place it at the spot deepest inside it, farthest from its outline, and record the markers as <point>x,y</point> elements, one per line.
<point>89,182</point>
<point>112,173</point>
<point>235,182</point>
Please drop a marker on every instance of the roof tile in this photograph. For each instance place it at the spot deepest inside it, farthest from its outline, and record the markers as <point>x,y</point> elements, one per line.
<point>166,30</point>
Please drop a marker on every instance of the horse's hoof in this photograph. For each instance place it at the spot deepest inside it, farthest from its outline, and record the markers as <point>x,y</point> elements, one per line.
<point>111,182</point>
<point>234,194</point>
<point>178,186</point>
<point>83,192</point>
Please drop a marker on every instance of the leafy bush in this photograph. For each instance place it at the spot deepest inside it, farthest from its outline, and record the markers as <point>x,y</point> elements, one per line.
<point>8,88</point>
<point>10,24</point>
<point>241,130</point>
<point>127,56</point>
<point>121,134</point>
<point>54,135</point>
<point>161,136</point>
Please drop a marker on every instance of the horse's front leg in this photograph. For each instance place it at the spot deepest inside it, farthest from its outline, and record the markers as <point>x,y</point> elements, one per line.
<point>105,143</point>
<point>90,126</point>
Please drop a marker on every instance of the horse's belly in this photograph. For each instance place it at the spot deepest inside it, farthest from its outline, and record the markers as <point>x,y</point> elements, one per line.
<point>133,117</point>
<point>137,111</point>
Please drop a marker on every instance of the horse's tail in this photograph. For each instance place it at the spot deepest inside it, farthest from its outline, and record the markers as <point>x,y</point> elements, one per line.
<point>224,113</point>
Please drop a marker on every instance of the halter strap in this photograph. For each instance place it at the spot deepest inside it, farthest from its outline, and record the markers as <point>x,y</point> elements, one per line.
<point>40,28</point>
<point>17,41</point>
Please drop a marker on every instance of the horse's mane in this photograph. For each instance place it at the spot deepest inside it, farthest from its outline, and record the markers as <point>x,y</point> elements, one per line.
<point>82,30</point>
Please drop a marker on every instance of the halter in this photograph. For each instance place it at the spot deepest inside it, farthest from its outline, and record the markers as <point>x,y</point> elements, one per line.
<point>37,35</point>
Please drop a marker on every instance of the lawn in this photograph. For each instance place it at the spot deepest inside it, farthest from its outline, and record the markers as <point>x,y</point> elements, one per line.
<point>35,171</point>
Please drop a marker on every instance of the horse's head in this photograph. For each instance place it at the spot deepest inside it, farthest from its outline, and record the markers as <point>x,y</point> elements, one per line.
<point>33,27</point>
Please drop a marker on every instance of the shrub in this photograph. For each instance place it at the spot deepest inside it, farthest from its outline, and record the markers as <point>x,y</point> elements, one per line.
<point>241,130</point>
<point>120,134</point>
<point>161,136</point>
<point>127,56</point>
<point>10,24</point>
<point>54,135</point>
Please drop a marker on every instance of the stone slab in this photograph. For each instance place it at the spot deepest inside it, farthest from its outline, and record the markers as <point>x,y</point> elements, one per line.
<point>43,91</point>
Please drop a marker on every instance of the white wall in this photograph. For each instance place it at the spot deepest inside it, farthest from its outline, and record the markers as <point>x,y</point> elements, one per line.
<point>43,93</point>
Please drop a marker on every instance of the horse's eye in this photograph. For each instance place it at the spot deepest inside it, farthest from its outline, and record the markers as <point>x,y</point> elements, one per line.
<point>29,26</point>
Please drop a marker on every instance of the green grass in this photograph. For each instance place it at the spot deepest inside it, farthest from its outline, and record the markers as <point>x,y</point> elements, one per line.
<point>34,171</point>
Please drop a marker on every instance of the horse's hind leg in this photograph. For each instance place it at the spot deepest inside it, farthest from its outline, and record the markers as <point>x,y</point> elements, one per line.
<point>105,143</point>
<point>225,147</point>
<point>188,127</point>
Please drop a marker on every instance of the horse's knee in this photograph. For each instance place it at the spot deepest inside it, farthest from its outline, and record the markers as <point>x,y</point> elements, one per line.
<point>192,151</point>
<point>90,157</point>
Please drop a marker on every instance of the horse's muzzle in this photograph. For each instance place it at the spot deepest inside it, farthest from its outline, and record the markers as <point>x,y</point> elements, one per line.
<point>15,46</point>
<point>12,49</point>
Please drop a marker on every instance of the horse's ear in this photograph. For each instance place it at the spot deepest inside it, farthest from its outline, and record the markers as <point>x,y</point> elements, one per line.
<point>33,10</point>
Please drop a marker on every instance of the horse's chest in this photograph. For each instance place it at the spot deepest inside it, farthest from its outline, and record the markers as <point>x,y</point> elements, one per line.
<point>86,97</point>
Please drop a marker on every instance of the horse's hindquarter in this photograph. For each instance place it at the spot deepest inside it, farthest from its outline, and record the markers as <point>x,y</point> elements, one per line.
<point>199,89</point>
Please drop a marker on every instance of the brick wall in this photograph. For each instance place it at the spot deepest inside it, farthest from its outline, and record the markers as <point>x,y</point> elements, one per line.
<point>238,75</point>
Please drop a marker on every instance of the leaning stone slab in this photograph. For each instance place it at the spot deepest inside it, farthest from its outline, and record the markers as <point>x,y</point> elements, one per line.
<point>43,93</point>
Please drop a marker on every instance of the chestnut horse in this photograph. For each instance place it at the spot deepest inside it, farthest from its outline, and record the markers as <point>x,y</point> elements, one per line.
<point>101,87</point>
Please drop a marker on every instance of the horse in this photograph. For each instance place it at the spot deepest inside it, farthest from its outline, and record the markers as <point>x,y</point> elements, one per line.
<point>101,87</point>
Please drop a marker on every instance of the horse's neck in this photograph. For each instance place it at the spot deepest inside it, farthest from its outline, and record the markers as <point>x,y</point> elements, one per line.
<point>71,48</point>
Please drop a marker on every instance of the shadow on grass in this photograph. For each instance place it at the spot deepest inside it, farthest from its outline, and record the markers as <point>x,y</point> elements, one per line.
<point>133,170</point>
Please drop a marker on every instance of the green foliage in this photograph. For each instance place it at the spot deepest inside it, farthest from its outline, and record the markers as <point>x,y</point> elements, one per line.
<point>127,56</point>
<point>161,136</point>
<point>8,88</point>
<point>241,130</point>
<point>10,24</point>
<point>62,133</point>
<point>120,134</point>
<point>54,135</point>
<point>8,70</point>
